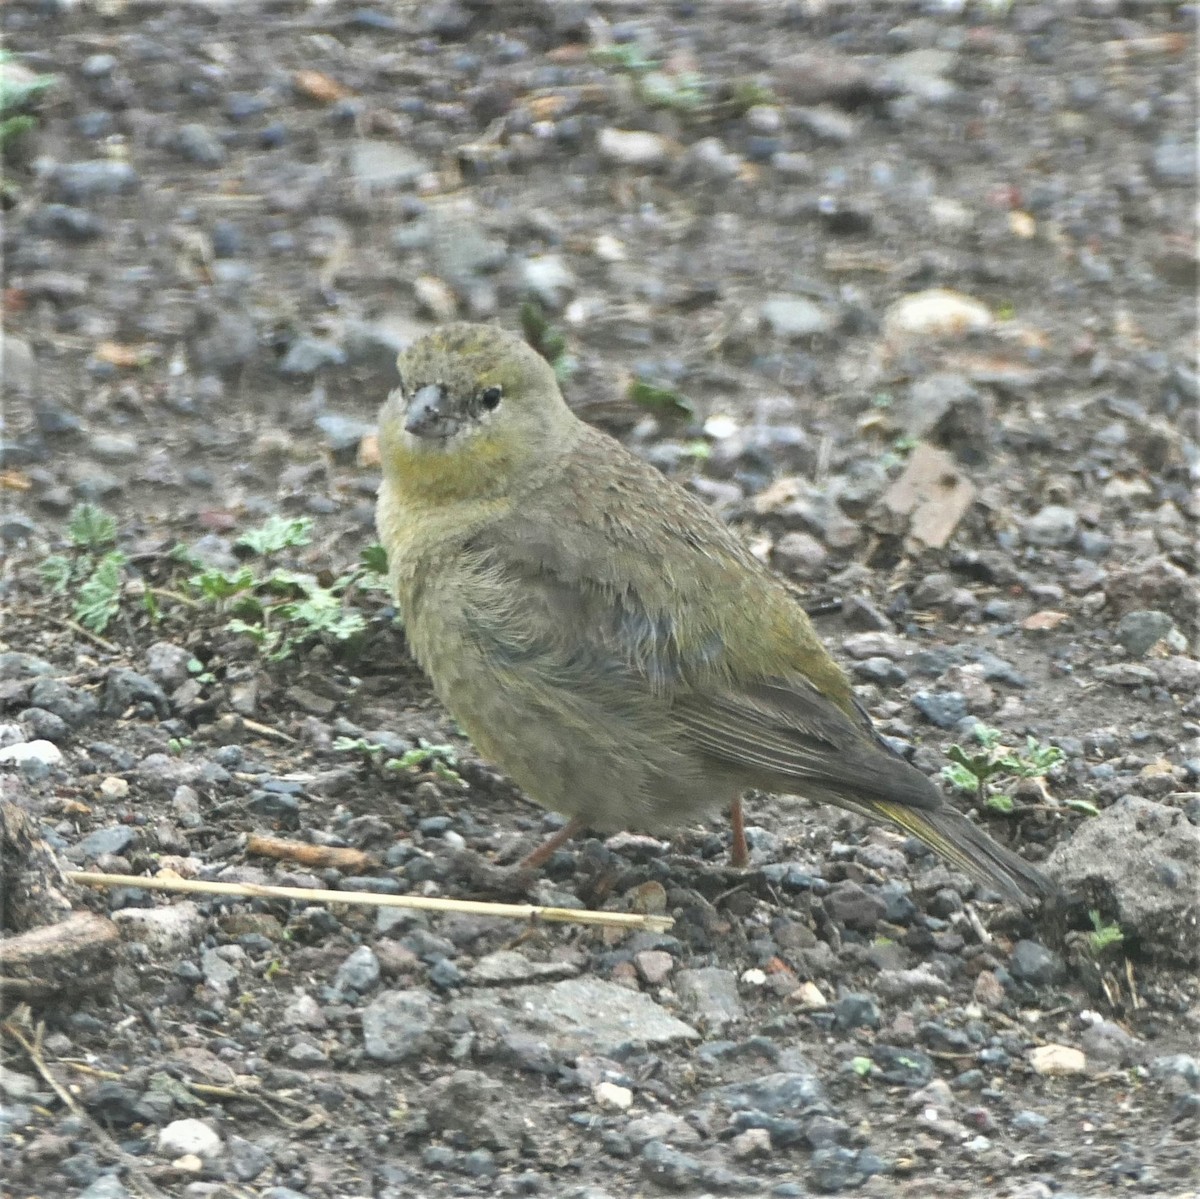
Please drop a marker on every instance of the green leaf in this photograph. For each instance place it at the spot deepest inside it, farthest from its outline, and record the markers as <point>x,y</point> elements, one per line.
<point>1000,803</point>
<point>19,85</point>
<point>90,527</point>
<point>1082,805</point>
<point>56,573</point>
<point>374,559</point>
<point>277,534</point>
<point>663,401</point>
<point>99,597</point>
<point>862,1066</point>
<point>548,340</point>
<point>961,777</point>
<point>217,585</point>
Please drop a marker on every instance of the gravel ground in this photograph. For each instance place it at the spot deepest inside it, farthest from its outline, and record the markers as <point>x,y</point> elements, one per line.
<point>905,290</point>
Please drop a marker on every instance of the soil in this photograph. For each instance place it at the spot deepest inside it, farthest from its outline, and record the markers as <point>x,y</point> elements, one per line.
<point>796,250</point>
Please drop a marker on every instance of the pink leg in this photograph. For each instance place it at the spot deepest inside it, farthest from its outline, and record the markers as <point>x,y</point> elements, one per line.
<point>739,853</point>
<point>540,856</point>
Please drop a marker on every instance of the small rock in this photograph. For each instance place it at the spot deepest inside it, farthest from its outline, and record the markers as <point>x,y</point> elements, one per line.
<point>167,664</point>
<point>164,930</point>
<point>200,145</point>
<point>632,148</point>
<point>182,1137</point>
<point>307,355</point>
<point>795,318</point>
<point>801,555</point>
<point>709,994</point>
<point>935,313</point>
<point>399,1024</point>
<point>1053,526</point>
<point>613,1097</point>
<point>1057,1059</point>
<point>1140,630</point>
<point>1035,964</point>
<point>44,752</point>
<point>384,165</point>
<point>548,279</point>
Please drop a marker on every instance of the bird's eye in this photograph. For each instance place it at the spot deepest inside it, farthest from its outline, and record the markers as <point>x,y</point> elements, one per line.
<point>490,398</point>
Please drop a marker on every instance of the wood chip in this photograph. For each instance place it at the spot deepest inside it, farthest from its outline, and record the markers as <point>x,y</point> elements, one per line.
<point>933,494</point>
<point>352,861</point>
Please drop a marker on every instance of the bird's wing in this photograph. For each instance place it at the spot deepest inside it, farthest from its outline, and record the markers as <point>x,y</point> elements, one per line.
<point>787,733</point>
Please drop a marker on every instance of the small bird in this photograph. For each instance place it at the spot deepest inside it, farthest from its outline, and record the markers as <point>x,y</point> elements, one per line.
<point>601,635</point>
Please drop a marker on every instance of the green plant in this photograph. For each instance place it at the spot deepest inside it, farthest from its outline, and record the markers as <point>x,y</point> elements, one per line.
<point>976,771</point>
<point>1104,936</point>
<point>19,88</point>
<point>662,401</point>
<point>94,578</point>
<point>280,609</point>
<point>439,758</point>
<point>548,339</point>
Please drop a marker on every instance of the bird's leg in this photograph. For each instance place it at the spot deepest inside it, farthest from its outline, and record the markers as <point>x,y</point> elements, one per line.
<point>739,854</point>
<point>540,856</point>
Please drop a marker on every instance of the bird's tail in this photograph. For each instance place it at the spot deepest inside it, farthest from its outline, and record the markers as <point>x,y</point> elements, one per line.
<point>968,848</point>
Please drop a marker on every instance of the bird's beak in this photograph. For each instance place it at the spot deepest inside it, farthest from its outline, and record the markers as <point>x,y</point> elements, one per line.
<point>426,415</point>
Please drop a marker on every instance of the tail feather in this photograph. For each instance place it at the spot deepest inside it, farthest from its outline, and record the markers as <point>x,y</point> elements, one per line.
<point>968,848</point>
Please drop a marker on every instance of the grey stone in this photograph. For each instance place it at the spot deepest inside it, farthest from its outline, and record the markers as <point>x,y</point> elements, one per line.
<point>475,1110</point>
<point>795,317</point>
<point>709,995</point>
<point>307,355</point>
<point>508,966</point>
<point>547,278</point>
<point>17,665</point>
<point>78,182</point>
<point>1144,859</point>
<point>359,972</point>
<point>1174,162</point>
<point>246,1159</point>
<point>384,165</point>
<point>71,704</point>
<point>782,1093</point>
<point>18,366</point>
<point>115,839</point>
<point>1138,631</point>
<point>124,688</point>
<point>199,144</point>
<point>943,708</point>
<point>578,1015</point>
<point>166,929</point>
<point>1052,526</point>
<point>1035,964</point>
<point>167,664</point>
<point>399,1024</point>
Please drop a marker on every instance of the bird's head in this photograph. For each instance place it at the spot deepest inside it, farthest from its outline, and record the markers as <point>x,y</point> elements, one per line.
<point>477,411</point>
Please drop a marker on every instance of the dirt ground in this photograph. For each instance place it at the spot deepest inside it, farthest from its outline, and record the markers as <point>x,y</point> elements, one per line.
<point>798,253</point>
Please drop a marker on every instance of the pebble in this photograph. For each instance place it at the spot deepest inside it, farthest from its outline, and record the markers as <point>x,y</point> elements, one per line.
<point>547,278</point>
<point>709,995</point>
<point>795,318</point>
<point>188,1137</point>
<point>935,313</point>
<point>44,752</point>
<point>1139,631</point>
<point>1057,1059</point>
<point>1033,963</point>
<point>398,1025</point>
<point>165,930</point>
<point>200,145</point>
<point>632,148</point>
<point>1053,526</point>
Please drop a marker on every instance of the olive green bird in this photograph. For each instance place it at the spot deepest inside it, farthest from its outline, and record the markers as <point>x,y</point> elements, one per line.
<point>601,635</point>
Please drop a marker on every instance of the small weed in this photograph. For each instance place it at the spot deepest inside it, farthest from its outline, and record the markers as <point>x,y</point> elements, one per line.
<point>976,771</point>
<point>94,578</point>
<point>19,88</point>
<point>279,609</point>
<point>662,401</point>
<point>439,758</point>
<point>862,1066</point>
<point>1104,936</point>
<point>548,339</point>
<point>372,751</point>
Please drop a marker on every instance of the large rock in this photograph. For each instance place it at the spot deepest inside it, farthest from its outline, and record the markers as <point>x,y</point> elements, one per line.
<point>1141,860</point>
<point>576,1016</point>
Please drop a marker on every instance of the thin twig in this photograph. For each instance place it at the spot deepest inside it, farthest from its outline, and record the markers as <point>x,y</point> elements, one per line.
<point>265,730</point>
<point>512,911</point>
<point>63,623</point>
<point>33,1050</point>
